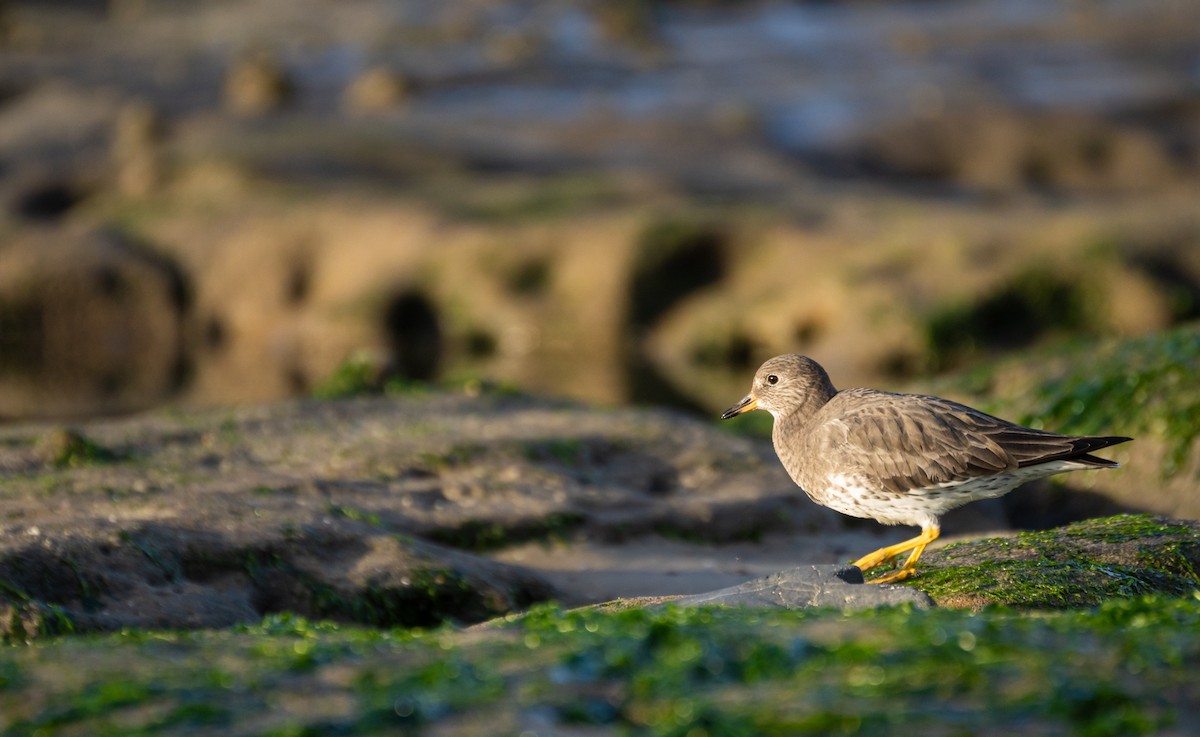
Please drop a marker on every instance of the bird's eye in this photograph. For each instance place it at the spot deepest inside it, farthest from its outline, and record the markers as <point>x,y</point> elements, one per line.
<point>772,379</point>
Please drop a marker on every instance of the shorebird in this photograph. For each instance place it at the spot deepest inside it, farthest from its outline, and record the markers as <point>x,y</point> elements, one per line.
<point>900,459</point>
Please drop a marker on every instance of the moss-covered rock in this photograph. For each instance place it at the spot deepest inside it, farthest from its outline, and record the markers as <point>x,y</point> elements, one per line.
<point>1079,565</point>
<point>64,446</point>
<point>1142,387</point>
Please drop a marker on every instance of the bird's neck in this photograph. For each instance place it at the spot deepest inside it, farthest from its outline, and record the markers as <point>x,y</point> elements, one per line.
<point>801,413</point>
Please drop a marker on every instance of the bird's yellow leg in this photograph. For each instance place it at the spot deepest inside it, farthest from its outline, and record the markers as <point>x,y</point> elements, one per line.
<point>916,545</point>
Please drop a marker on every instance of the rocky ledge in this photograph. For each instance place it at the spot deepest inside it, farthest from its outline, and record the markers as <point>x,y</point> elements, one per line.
<point>406,511</point>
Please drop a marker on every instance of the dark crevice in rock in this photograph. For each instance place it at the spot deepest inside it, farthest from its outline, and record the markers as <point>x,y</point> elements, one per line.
<point>414,335</point>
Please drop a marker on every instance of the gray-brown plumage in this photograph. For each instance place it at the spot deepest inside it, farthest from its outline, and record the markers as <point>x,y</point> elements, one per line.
<point>900,458</point>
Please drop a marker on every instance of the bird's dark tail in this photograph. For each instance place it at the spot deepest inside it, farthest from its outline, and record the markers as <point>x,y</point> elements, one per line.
<point>1070,448</point>
<point>1085,445</point>
<point>1091,460</point>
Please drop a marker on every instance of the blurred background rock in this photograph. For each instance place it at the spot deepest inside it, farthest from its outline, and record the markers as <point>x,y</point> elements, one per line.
<point>621,201</point>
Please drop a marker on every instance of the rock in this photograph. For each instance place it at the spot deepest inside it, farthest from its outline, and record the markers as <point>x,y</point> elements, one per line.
<point>375,90</point>
<point>810,586</point>
<point>89,322</point>
<point>376,511</point>
<point>136,150</point>
<point>168,576</point>
<point>1079,565</point>
<point>256,85</point>
<point>1005,151</point>
<point>66,446</point>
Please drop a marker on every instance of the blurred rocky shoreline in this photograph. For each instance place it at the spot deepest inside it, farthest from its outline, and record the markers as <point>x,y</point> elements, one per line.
<point>618,202</point>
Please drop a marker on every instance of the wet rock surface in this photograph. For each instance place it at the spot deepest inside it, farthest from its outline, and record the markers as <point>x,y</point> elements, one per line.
<point>374,511</point>
<point>810,586</point>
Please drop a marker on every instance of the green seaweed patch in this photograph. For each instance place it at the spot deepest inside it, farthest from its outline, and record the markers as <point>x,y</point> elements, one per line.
<point>679,671</point>
<point>1079,565</point>
<point>23,618</point>
<point>68,448</point>
<point>1045,584</point>
<point>354,513</point>
<point>1030,304</point>
<point>567,451</point>
<point>429,597</point>
<point>487,535</point>
<point>1139,386</point>
<point>1118,528</point>
<point>160,559</point>
<point>453,457</point>
<point>361,375</point>
<point>10,675</point>
<point>1123,668</point>
<point>753,532</point>
<point>425,597</point>
<point>752,424</point>
<point>1174,558</point>
<point>473,384</point>
<point>96,701</point>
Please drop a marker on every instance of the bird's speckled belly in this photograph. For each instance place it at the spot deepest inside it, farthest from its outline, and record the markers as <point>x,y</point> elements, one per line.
<point>855,496</point>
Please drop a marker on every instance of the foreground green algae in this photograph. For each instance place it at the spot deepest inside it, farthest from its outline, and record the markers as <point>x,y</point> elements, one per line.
<point>1081,564</point>
<point>1124,668</point>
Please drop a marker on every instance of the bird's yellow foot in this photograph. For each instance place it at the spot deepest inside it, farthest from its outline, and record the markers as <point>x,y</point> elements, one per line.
<point>916,545</point>
<point>894,576</point>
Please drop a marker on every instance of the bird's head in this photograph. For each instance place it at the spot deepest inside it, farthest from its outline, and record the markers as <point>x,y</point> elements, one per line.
<point>786,384</point>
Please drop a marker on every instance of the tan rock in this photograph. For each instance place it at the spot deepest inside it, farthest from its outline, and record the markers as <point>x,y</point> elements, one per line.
<point>256,85</point>
<point>375,90</point>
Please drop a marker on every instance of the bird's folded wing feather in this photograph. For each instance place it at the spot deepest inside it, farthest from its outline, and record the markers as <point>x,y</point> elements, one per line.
<point>908,441</point>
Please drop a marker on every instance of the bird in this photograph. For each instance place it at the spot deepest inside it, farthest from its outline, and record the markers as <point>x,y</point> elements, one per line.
<point>900,459</point>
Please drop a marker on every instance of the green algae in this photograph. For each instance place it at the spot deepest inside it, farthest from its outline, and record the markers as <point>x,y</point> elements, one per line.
<point>1081,564</point>
<point>1029,305</point>
<point>423,602</point>
<point>1047,584</point>
<point>27,618</point>
<point>68,448</point>
<point>1141,386</point>
<point>453,457</point>
<point>371,519</point>
<point>161,560</point>
<point>1176,559</point>
<point>567,451</point>
<point>1121,668</point>
<point>487,535</point>
<point>425,597</point>
<point>361,375</point>
<point>753,424</point>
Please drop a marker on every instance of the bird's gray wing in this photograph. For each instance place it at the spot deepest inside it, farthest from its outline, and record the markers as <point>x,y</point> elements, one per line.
<point>910,441</point>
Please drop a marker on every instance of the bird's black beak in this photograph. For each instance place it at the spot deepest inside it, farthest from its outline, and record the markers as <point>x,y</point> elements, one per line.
<point>747,404</point>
